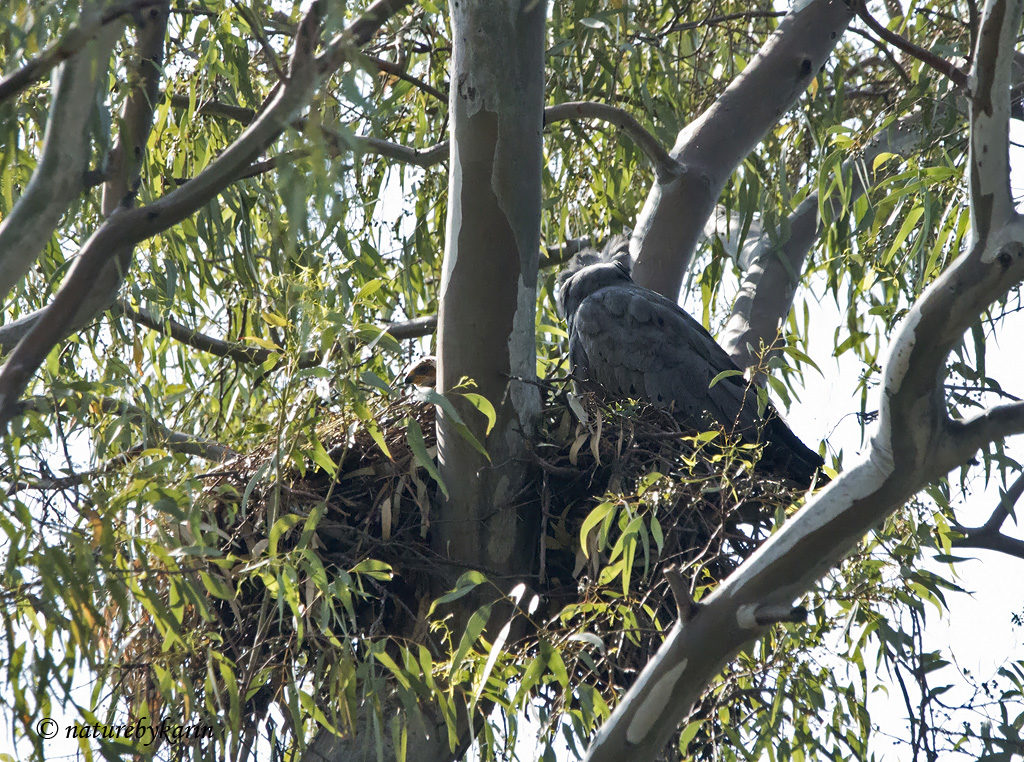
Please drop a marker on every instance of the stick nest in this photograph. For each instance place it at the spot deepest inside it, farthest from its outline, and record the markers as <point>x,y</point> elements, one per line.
<point>706,512</point>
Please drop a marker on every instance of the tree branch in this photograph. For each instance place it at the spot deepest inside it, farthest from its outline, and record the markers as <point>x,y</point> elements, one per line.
<point>234,350</point>
<point>155,434</point>
<point>955,74</point>
<point>421,157</point>
<point>997,541</point>
<point>709,20</point>
<point>57,179</point>
<point>914,443</point>
<point>177,440</point>
<point>989,179</point>
<point>665,167</point>
<point>401,331</point>
<point>988,535</point>
<point>76,38</point>
<point>415,328</point>
<point>126,227</point>
<point>244,353</point>
<point>358,33</point>
<point>1004,508</point>
<point>397,71</point>
<point>710,147</point>
<point>776,264</point>
<point>211,107</point>
<point>995,423</point>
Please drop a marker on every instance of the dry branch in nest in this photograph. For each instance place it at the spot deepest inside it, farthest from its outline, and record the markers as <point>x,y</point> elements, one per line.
<point>692,501</point>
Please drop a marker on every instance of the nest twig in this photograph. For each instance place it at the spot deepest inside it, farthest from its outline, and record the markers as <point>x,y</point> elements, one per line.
<point>711,506</point>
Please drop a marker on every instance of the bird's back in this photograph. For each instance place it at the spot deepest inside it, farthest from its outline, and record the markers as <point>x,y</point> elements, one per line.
<point>634,343</point>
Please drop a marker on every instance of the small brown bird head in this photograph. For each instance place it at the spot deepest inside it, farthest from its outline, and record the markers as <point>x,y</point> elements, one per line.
<point>422,373</point>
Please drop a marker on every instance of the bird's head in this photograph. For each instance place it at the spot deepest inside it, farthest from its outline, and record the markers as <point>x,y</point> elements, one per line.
<point>590,271</point>
<point>422,373</point>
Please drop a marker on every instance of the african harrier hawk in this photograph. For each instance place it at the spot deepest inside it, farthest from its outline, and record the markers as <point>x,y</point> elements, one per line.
<point>634,343</point>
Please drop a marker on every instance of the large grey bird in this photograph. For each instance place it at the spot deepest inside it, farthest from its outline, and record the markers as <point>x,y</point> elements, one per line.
<point>632,342</point>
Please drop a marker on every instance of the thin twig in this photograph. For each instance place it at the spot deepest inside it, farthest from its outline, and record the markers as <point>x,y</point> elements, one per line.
<point>397,71</point>
<point>708,21</point>
<point>70,43</point>
<point>664,165</point>
<point>250,355</point>
<point>957,75</point>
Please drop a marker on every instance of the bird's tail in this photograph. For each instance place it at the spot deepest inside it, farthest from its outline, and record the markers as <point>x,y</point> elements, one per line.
<point>786,455</point>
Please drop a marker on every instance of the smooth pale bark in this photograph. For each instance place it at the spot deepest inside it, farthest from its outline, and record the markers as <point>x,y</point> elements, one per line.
<point>60,172</point>
<point>485,330</point>
<point>915,441</point>
<point>489,281</point>
<point>712,146</point>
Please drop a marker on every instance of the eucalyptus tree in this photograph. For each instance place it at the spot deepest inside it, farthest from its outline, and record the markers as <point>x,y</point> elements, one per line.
<point>226,226</point>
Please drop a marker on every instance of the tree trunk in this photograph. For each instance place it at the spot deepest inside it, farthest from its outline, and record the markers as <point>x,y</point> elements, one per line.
<point>489,282</point>
<point>485,323</point>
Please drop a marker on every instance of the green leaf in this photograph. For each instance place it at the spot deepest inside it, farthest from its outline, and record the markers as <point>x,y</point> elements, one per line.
<point>909,223</point>
<point>414,435</point>
<point>281,527</point>
<point>688,734</point>
<point>216,586</point>
<point>594,518</point>
<point>725,374</point>
<point>322,459</point>
<point>482,404</point>
<point>465,584</point>
<point>497,647</point>
<point>476,624</point>
<point>439,399</point>
<point>371,567</point>
<point>366,416</point>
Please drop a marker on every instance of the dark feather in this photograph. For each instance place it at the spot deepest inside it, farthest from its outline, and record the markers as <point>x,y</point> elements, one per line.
<point>632,342</point>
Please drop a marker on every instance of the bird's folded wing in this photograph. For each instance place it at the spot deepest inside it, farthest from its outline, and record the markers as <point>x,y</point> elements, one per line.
<point>635,343</point>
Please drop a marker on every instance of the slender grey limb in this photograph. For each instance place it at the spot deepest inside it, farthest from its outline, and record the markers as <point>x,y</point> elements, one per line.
<point>250,355</point>
<point>957,75</point>
<point>988,535</point>
<point>127,227</point>
<point>776,264</point>
<point>76,38</point>
<point>665,167</point>
<point>154,434</point>
<point>709,148</point>
<point>57,179</point>
<point>122,171</point>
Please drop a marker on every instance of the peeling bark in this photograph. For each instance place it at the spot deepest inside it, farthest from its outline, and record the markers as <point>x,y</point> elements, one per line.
<point>489,280</point>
